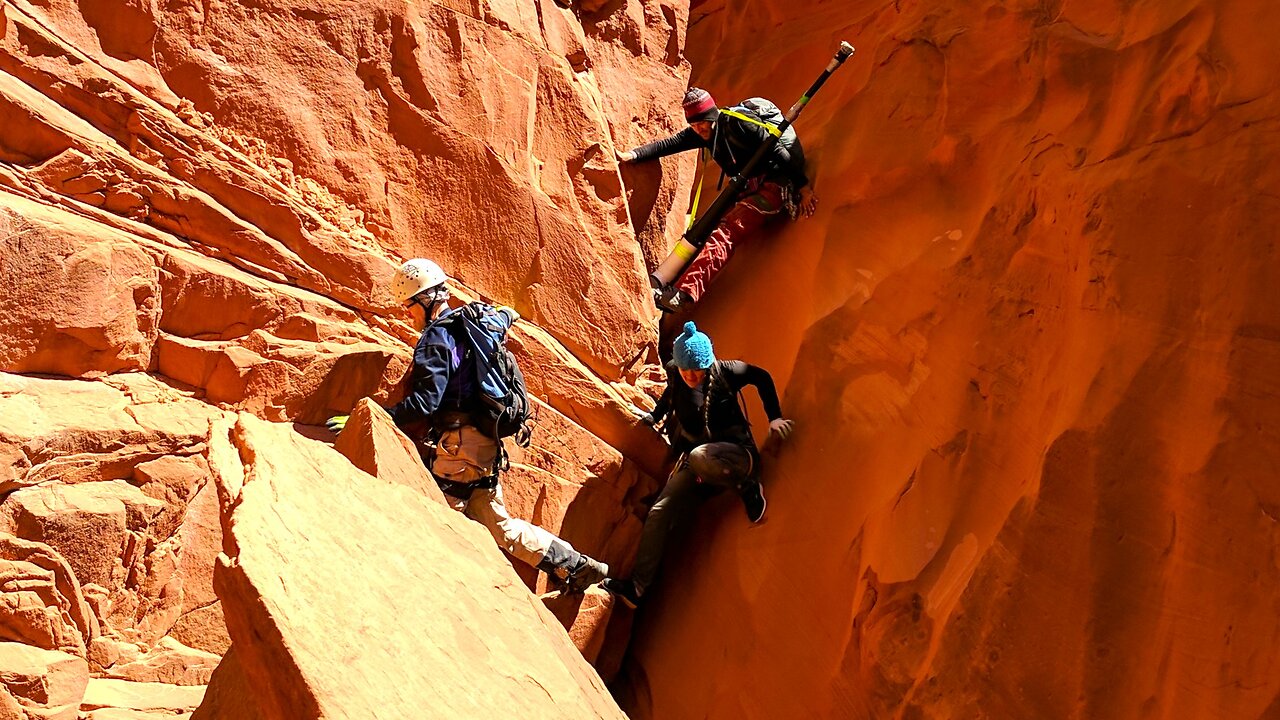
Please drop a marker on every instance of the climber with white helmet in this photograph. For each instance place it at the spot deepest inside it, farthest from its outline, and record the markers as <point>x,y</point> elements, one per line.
<point>707,427</point>
<point>464,394</point>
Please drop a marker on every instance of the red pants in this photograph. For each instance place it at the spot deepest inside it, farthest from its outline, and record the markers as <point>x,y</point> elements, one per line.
<point>746,217</point>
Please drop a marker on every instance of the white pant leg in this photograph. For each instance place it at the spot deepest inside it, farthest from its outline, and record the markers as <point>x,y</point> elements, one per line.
<point>526,541</point>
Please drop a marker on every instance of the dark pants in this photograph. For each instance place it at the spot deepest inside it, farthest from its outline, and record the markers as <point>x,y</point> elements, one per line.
<point>706,471</point>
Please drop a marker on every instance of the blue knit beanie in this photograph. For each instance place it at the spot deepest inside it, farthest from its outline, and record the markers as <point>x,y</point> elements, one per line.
<point>692,349</point>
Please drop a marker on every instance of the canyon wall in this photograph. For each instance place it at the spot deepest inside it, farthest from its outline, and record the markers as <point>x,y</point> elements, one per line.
<point>1029,339</point>
<point>1029,342</point>
<point>200,206</point>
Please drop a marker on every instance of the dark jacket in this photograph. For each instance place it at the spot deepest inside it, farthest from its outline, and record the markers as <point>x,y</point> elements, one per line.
<point>440,380</point>
<point>711,412</point>
<point>733,142</point>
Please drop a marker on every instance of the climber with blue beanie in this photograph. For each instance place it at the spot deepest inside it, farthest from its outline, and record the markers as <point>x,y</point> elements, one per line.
<point>710,433</point>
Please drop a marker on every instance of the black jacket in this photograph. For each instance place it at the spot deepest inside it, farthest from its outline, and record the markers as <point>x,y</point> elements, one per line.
<point>732,144</point>
<point>711,412</point>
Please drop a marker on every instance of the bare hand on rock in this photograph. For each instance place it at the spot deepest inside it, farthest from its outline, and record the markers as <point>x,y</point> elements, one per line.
<point>781,428</point>
<point>808,202</point>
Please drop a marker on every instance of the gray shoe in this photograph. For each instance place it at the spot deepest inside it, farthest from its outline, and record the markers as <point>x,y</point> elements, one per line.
<point>671,300</point>
<point>588,572</point>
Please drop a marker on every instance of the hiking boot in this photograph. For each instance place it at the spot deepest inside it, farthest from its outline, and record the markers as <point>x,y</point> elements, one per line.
<point>587,573</point>
<point>753,501</point>
<point>624,590</point>
<point>671,300</point>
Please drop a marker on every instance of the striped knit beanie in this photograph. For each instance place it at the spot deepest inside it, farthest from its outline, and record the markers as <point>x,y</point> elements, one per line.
<point>699,105</point>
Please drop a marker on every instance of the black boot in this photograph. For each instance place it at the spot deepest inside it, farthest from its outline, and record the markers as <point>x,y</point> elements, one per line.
<point>753,500</point>
<point>624,590</point>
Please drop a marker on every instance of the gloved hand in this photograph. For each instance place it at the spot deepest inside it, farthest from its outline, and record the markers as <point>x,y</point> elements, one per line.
<point>781,428</point>
<point>644,418</point>
<point>625,156</point>
<point>337,423</point>
<point>511,311</point>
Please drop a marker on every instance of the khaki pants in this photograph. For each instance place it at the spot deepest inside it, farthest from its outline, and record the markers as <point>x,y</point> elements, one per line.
<point>465,455</point>
<point>525,541</point>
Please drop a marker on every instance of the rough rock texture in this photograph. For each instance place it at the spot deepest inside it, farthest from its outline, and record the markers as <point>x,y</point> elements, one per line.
<point>319,633</point>
<point>1030,344</point>
<point>41,603</point>
<point>141,304</point>
<point>156,698</point>
<point>1029,338</point>
<point>372,443</point>
<point>169,662</point>
<point>215,194</point>
<point>40,684</point>
<point>586,616</point>
<point>229,695</point>
<point>100,528</point>
<point>476,132</point>
<point>106,549</point>
<point>119,464</point>
<point>179,197</point>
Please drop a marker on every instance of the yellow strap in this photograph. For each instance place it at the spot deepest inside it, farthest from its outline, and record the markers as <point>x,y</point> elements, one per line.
<point>684,250</point>
<point>773,129</point>
<point>702,175</point>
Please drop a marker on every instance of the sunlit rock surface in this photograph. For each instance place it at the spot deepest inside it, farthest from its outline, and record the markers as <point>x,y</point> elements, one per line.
<point>1029,344</point>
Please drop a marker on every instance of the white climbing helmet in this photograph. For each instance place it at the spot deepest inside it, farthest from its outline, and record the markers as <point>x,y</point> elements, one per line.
<point>415,276</point>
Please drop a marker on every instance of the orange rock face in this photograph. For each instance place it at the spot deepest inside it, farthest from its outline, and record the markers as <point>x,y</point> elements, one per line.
<point>1029,343</point>
<point>1028,339</point>
<point>215,196</point>
<point>320,631</point>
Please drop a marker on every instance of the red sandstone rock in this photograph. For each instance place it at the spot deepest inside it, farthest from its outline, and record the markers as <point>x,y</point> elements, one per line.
<point>82,521</point>
<point>229,695</point>
<point>142,549</point>
<point>392,140</point>
<point>1028,338</point>
<point>40,684</point>
<point>1025,341</point>
<point>200,623</point>
<point>169,662</point>
<point>372,443</point>
<point>82,431</point>
<point>305,558</point>
<point>141,305</point>
<point>586,617</point>
<point>153,221</point>
<point>40,599</point>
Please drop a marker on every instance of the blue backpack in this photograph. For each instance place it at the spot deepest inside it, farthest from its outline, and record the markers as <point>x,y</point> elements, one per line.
<point>501,407</point>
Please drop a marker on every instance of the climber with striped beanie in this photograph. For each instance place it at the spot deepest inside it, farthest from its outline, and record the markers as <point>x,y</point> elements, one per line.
<point>704,421</point>
<point>730,136</point>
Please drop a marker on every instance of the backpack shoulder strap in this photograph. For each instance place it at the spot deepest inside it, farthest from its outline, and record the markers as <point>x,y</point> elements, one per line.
<point>450,323</point>
<point>770,127</point>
